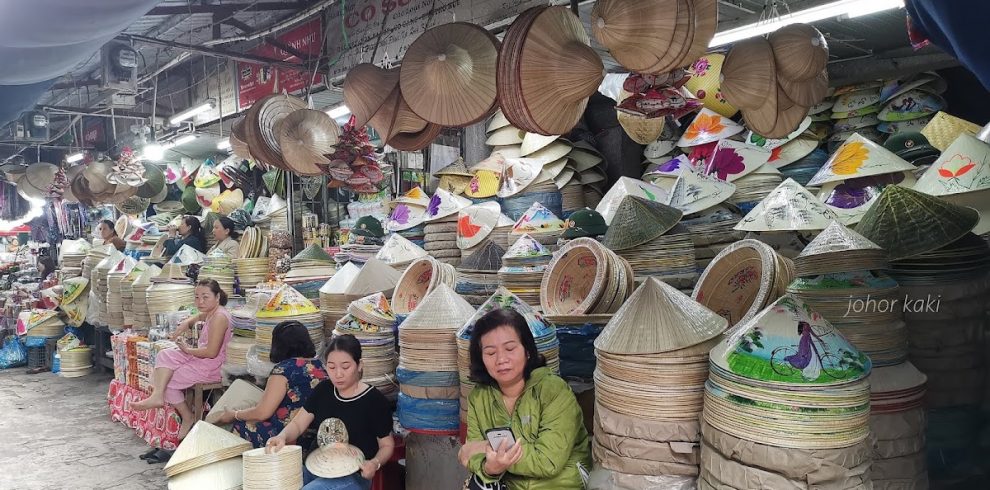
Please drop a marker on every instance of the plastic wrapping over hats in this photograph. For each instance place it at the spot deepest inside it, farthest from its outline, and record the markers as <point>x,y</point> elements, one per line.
<point>859,157</point>
<point>637,221</point>
<point>335,457</point>
<point>405,216</point>
<point>444,204</point>
<point>287,302</point>
<point>911,105</point>
<point>585,223</point>
<point>963,167</point>
<point>694,191</point>
<point>658,318</point>
<point>705,83</point>
<point>627,186</point>
<point>476,222</point>
<point>368,226</point>
<point>708,126</point>
<point>905,222</point>
<point>851,198</point>
<point>537,219</point>
<point>397,249</point>
<point>789,207</point>
<point>731,160</point>
<point>794,346</point>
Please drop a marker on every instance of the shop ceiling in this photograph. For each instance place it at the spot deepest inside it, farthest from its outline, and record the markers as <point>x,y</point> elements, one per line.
<point>177,34</point>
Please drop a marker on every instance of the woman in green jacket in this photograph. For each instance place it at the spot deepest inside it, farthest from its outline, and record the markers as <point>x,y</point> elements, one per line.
<point>516,390</point>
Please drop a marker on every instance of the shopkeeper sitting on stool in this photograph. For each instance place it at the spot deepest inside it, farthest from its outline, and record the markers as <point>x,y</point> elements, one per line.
<point>362,408</point>
<point>226,237</point>
<point>183,367</point>
<point>190,233</point>
<point>292,380</point>
<point>109,235</point>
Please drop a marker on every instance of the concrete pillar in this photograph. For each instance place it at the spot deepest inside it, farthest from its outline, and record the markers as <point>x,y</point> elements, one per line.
<point>475,149</point>
<point>431,463</point>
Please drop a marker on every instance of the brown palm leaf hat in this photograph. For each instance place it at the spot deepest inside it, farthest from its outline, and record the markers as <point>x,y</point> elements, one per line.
<point>763,119</point>
<point>905,222</point>
<point>416,141</point>
<point>705,24</point>
<point>788,118</point>
<point>637,221</point>
<point>448,74</point>
<point>800,52</point>
<point>637,34</point>
<point>305,137</point>
<point>366,87</point>
<point>806,93</point>
<point>238,140</point>
<point>260,127</point>
<point>749,79</point>
<point>547,70</point>
<point>395,116</point>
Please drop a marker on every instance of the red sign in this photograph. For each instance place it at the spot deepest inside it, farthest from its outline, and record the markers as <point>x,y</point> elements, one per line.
<point>94,134</point>
<point>255,81</point>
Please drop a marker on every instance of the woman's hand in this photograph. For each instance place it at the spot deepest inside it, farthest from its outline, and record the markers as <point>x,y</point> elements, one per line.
<point>497,462</point>
<point>228,416</point>
<point>184,347</point>
<point>368,469</point>
<point>172,229</point>
<point>275,444</point>
<point>469,449</point>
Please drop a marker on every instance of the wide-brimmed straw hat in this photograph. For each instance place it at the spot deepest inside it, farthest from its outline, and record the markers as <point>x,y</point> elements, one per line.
<point>335,457</point>
<point>366,87</point>
<point>306,136</point>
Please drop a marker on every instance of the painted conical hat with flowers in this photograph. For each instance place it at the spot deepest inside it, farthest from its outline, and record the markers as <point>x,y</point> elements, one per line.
<point>287,302</point>
<point>414,196</point>
<point>708,126</point>
<point>397,249</point>
<point>373,309</point>
<point>476,222</point>
<point>859,157</point>
<point>963,167</point>
<point>503,298</point>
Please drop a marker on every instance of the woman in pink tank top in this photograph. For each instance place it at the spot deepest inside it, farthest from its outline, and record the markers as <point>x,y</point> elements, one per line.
<point>179,368</point>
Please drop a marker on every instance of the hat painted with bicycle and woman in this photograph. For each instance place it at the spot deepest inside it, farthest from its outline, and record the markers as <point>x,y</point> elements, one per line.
<point>584,223</point>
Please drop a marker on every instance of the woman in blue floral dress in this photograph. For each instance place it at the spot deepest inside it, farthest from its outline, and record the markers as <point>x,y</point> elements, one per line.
<point>290,383</point>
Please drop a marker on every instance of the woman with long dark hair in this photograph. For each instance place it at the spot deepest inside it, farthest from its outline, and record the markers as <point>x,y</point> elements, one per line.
<point>109,235</point>
<point>190,232</point>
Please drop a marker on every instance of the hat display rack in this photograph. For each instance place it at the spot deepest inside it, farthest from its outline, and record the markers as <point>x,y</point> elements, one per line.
<point>372,321</point>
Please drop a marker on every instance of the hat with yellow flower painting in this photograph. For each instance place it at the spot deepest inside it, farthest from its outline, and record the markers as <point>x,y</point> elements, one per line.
<point>708,126</point>
<point>859,157</point>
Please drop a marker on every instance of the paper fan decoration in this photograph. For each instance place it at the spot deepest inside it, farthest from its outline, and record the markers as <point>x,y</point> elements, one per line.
<point>287,302</point>
<point>397,249</point>
<point>476,222</point>
<point>694,192</point>
<point>658,318</point>
<point>637,221</point>
<point>708,126</point>
<point>905,222</point>
<point>851,199</point>
<point>627,186</point>
<point>537,219</point>
<point>859,157</point>
<point>790,344</point>
<point>705,83</point>
<point>963,167</point>
<point>731,160</point>
<point>405,216</point>
<point>444,204</point>
<point>789,207</point>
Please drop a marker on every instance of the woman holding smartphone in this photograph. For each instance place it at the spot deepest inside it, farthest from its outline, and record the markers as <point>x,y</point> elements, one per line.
<point>516,392</point>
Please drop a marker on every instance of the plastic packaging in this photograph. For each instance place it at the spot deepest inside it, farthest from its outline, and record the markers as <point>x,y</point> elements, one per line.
<point>13,353</point>
<point>605,479</point>
<point>256,366</point>
<point>432,415</point>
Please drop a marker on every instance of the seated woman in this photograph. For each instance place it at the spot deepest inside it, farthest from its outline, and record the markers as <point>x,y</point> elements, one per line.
<point>190,232</point>
<point>362,408</point>
<point>226,237</point>
<point>109,235</point>
<point>290,384</point>
<point>182,367</point>
<point>515,389</point>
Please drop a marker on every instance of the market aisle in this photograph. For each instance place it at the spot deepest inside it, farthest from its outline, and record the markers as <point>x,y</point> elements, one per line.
<point>56,433</point>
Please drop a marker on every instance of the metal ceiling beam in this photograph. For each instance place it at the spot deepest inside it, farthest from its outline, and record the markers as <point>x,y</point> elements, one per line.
<point>213,9</point>
<point>887,66</point>
<point>215,52</point>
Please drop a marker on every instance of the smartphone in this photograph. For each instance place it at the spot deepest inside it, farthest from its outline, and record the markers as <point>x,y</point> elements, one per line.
<point>498,436</point>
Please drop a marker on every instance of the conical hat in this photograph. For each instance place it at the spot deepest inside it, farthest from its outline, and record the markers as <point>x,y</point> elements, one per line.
<point>533,142</point>
<point>912,104</point>
<point>341,280</point>
<point>75,312</point>
<point>694,191</point>
<point>485,183</point>
<point>240,395</point>
<point>373,309</point>
<point>774,143</point>
<point>287,302</point>
<point>627,186</point>
<point>790,344</point>
<point>187,255</point>
<point>375,277</point>
<point>906,222</point>
<point>498,121</point>
<point>444,204</point>
<point>851,199</point>
<point>789,207</point>
<point>334,458</point>
<point>73,288</point>
<point>414,196</point>
<point>748,79</point>
<point>800,52</point>
<point>852,101</point>
<point>144,279</point>
<point>979,201</point>
<point>172,273</point>
<point>637,34</point>
<point>405,216</point>
<point>638,221</point>
<point>538,219</point>
<point>708,126</point>
<point>441,309</point>
<point>458,168</point>
<point>476,222</point>
<point>503,298</point>
<point>584,156</point>
<point>313,252</point>
<point>963,167</point>
<point>792,151</point>
<point>397,249</point>
<point>110,261</point>
<point>136,271</point>
<point>658,318</point>
<point>304,137</point>
<point>204,444</point>
<point>896,378</point>
<point>488,258</point>
<point>550,153</point>
<point>366,87</point>
<point>705,83</point>
<point>508,135</point>
<point>731,160</point>
<point>526,246</point>
<point>518,173</point>
<point>859,157</point>
<point>836,239</point>
<point>228,201</point>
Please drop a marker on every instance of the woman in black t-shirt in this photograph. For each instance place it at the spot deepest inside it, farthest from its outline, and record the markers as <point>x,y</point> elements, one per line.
<point>363,409</point>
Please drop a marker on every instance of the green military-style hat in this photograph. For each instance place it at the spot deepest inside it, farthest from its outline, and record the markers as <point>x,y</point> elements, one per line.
<point>368,226</point>
<point>913,147</point>
<point>585,223</point>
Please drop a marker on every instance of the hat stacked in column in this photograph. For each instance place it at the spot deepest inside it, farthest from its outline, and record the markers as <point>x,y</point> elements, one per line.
<point>351,283</point>
<point>786,383</point>
<point>371,320</point>
<point>75,300</point>
<point>219,267</point>
<point>647,235</point>
<point>700,196</point>
<point>652,365</point>
<point>441,226</point>
<point>427,372</point>
<point>479,222</point>
<point>539,223</point>
<point>477,276</point>
<point>170,291</point>
<point>418,281</point>
<point>287,304</point>
<point>310,269</point>
<point>127,292</point>
<point>399,252</point>
<point>522,268</point>
<point>139,295</point>
<point>114,305</point>
<point>99,286</point>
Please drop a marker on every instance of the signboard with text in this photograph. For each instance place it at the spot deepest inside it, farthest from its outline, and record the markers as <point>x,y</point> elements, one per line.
<point>255,81</point>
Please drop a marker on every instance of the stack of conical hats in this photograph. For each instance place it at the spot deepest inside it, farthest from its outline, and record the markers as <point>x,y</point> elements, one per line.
<point>99,286</point>
<point>585,277</point>
<point>647,235</point>
<point>522,269</point>
<point>71,255</point>
<point>170,290</point>
<point>399,252</point>
<point>786,380</point>
<point>961,175</point>
<point>370,319</point>
<point>427,372</point>
<point>351,283</point>
<point>418,280</point>
<point>898,422</point>
<point>75,300</point>
<point>287,304</point>
<point>652,366</point>
<point>477,276</point>
<point>139,295</point>
<point>209,457</point>
<point>784,214</point>
<point>219,267</point>
<point>310,269</point>
<point>478,223</point>
<point>127,292</point>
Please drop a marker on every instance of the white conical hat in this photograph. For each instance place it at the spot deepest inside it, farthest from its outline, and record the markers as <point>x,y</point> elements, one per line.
<point>204,444</point>
<point>518,173</point>
<point>837,238</point>
<point>188,256</point>
<point>397,249</point>
<point>74,288</point>
<point>790,344</point>
<point>240,395</point>
<point>405,216</point>
<point>627,186</point>
<point>859,157</point>
<point>441,309</point>
<point>789,207</point>
<point>145,278</point>
<point>498,122</point>
<point>503,298</point>
<point>963,167</point>
<point>506,135</point>
<point>373,309</point>
<point>731,160</point>
<point>534,142</point>
<point>694,192</point>
<point>341,280</point>
<point>773,143</point>
<point>538,219</point>
<point>444,203</point>
<point>793,151</point>
<point>526,246</point>
<point>375,277</point>
<point>476,222</point>
<point>658,318</point>
<point>708,126</point>
<point>550,153</point>
<point>414,196</point>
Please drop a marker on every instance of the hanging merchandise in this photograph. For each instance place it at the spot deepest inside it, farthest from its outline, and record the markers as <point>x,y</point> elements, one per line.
<point>305,137</point>
<point>705,83</point>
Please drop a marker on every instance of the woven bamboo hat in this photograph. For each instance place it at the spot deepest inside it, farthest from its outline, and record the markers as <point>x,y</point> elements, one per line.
<point>627,186</point>
<point>397,249</point>
<point>448,74</point>
<point>476,222</point>
<point>547,70</point>
<point>366,87</point>
<point>859,157</point>
<point>261,123</point>
<point>834,248</point>
<point>441,309</point>
<point>239,395</point>
<point>944,128</point>
<point>155,181</point>
<point>789,207</point>
<point>488,258</point>
<point>749,75</point>
<point>800,52</point>
<point>637,221</point>
<point>807,93</point>
<point>205,444</point>
<point>906,222</point>
<point>694,191</point>
<point>963,167</point>
<point>305,137</point>
<point>335,457</point>
<point>394,117</point>
<point>658,318</point>
<point>637,34</point>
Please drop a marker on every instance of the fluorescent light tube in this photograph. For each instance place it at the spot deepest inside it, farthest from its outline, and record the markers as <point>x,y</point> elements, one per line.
<point>75,157</point>
<point>188,113</point>
<point>339,111</point>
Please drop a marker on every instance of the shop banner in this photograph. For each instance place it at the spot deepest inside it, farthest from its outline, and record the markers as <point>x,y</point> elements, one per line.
<point>379,31</point>
<point>94,133</point>
<point>255,81</point>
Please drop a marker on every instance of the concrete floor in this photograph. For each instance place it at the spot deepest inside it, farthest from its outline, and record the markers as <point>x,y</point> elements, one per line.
<point>56,433</point>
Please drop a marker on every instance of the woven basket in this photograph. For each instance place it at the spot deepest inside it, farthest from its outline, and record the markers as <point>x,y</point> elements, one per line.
<point>641,129</point>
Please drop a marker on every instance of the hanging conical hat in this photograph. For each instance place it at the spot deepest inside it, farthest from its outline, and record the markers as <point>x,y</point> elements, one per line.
<point>399,250</point>
<point>658,318</point>
<point>800,52</point>
<point>525,247</point>
<point>708,126</point>
<point>206,195</point>
<point>638,221</point>
<point>488,258</point>
<point>287,302</point>
<point>790,344</point>
<point>444,204</point>
<point>205,444</point>
<point>341,280</point>
<point>375,277</point>
<point>394,117</point>
<point>448,74</point>
<point>748,75</point>
<point>637,34</point>
<point>789,207</point>
<point>311,253</point>
<point>476,222</point>
<point>534,142</point>
<point>405,216</point>
<point>441,309</point>
<point>415,196</point>
<point>627,186</point>
<point>906,222</point>
<point>963,167</point>
<point>154,183</point>
<point>859,157</point>
<point>305,137</point>
<point>503,298</point>
<point>498,121</point>
<point>694,191</point>
<point>373,309</point>
<point>705,83</point>
<point>731,160</point>
<point>74,288</point>
<point>537,219</point>
<point>366,87</point>
<point>837,239</point>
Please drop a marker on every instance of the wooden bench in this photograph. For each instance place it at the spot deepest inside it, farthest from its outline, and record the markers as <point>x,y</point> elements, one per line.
<point>196,399</point>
